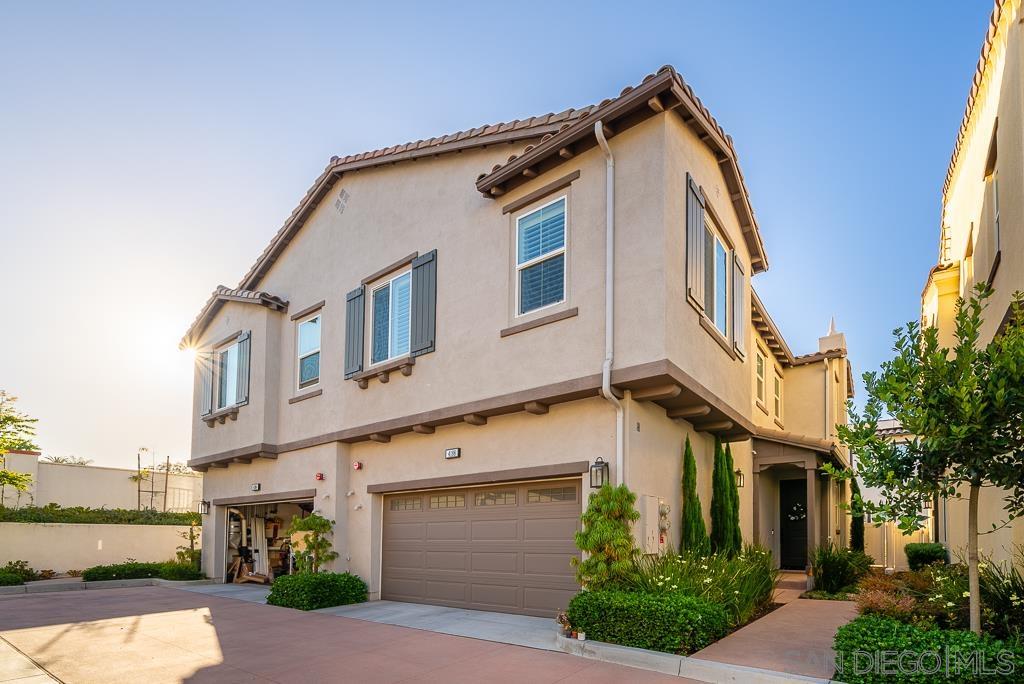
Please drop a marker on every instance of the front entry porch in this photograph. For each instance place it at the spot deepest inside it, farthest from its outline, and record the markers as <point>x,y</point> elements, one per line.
<point>797,506</point>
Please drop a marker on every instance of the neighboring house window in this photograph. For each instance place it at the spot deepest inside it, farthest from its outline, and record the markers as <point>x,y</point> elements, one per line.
<point>760,369</point>
<point>227,375</point>
<point>778,397</point>
<point>540,257</point>
<point>717,261</point>
<point>309,351</point>
<point>391,318</point>
<point>995,208</point>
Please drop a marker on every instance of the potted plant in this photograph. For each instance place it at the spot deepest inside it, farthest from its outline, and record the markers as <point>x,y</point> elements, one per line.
<point>563,622</point>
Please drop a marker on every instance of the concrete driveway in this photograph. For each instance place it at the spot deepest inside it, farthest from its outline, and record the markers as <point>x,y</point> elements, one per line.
<point>157,634</point>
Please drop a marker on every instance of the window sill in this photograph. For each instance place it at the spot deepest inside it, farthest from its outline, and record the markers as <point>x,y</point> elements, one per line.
<point>995,267</point>
<point>537,322</point>
<point>718,337</point>
<point>221,415</point>
<point>383,371</point>
<point>762,407</point>
<point>779,423</point>
<point>307,395</point>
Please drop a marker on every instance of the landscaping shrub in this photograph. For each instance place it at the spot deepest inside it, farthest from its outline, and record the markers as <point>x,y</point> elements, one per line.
<point>1002,597</point>
<point>21,569</point>
<point>861,643</point>
<point>310,591</point>
<point>742,585</point>
<point>836,569</point>
<point>9,579</point>
<point>693,536</point>
<point>53,513</point>
<point>725,533</point>
<point>856,517</point>
<point>607,539</point>
<point>135,570</point>
<point>316,543</point>
<point>672,623</point>
<point>894,605</point>
<point>925,553</point>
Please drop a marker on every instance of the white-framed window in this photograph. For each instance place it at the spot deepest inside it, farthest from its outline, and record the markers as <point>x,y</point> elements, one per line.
<point>540,257</point>
<point>760,364</point>
<point>717,268</point>
<point>995,209</point>
<point>778,397</point>
<point>226,368</point>
<point>307,345</point>
<point>390,321</point>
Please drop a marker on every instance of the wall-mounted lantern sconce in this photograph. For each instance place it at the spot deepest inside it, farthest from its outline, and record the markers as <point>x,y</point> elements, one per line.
<point>204,507</point>
<point>927,504</point>
<point>598,473</point>
<point>740,479</point>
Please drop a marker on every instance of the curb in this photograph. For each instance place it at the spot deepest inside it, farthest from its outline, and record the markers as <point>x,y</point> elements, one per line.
<point>680,666</point>
<point>42,588</point>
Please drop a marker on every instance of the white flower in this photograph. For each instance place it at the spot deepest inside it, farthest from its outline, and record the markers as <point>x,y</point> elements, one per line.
<point>707,581</point>
<point>736,591</point>
<point>660,583</point>
<point>950,604</point>
<point>967,594</point>
<point>675,586</point>
<point>982,565</point>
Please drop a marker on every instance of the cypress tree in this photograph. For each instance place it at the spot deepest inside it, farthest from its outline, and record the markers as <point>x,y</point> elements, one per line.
<point>721,535</point>
<point>736,543</point>
<point>693,535</point>
<point>857,517</point>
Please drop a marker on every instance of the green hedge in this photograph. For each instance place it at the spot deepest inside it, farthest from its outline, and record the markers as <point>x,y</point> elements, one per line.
<point>10,579</point>
<point>133,570</point>
<point>879,649</point>
<point>310,591</point>
<point>922,554</point>
<point>672,623</point>
<point>53,513</point>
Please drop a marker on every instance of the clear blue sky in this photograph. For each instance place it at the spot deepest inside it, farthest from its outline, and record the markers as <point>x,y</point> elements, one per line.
<point>148,153</point>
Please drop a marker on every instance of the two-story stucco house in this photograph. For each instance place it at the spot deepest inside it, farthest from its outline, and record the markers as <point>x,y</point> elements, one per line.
<point>981,238</point>
<point>447,337</point>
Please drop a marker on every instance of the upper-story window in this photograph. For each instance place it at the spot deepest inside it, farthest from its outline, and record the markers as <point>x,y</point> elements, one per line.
<point>992,184</point>
<point>391,318</point>
<point>540,257</point>
<point>308,351</point>
<point>717,261</point>
<point>227,375</point>
<point>994,180</point>
<point>760,365</point>
<point>778,397</point>
<point>224,374</point>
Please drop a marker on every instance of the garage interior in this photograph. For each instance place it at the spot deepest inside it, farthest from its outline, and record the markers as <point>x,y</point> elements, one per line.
<point>258,547</point>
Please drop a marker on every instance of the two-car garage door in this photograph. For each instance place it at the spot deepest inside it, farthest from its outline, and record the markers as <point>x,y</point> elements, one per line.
<point>501,547</point>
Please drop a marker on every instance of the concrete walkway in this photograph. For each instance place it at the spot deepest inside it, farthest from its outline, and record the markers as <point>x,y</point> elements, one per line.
<point>796,638</point>
<point>251,593</point>
<point>17,668</point>
<point>157,635</point>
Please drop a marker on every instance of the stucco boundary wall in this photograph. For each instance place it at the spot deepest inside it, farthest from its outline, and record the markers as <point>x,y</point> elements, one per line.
<point>72,546</point>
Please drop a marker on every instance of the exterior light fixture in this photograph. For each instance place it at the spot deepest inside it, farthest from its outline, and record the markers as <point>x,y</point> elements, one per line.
<point>740,480</point>
<point>204,507</point>
<point>926,504</point>
<point>598,473</point>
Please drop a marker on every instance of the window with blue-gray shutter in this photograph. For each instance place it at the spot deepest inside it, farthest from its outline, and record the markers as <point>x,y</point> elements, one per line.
<point>205,361</point>
<point>424,303</point>
<point>540,257</point>
<point>739,307</point>
<point>391,318</point>
<point>696,243</point>
<point>244,355</point>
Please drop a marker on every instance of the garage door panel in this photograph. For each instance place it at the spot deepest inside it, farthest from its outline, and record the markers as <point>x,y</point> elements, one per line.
<point>446,591</point>
<point>447,560</point>
<point>495,530</point>
<point>493,548</point>
<point>495,561</point>
<point>495,595</point>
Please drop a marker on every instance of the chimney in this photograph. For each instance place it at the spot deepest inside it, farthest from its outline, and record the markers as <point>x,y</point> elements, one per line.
<point>832,340</point>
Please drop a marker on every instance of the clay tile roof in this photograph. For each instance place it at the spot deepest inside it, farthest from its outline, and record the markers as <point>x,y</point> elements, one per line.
<point>996,23</point>
<point>218,298</point>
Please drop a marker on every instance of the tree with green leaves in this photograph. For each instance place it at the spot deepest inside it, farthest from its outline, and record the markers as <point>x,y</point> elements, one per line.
<point>693,535</point>
<point>607,538</point>
<point>17,433</point>
<point>856,517</point>
<point>723,531</point>
<point>316,543</point>
<point>965,411</point>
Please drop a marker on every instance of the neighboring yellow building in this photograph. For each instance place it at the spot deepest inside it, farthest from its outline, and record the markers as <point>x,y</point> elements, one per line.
<point>981,238</point>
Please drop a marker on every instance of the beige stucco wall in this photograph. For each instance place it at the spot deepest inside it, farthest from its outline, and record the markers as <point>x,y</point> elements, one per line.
<point>100,487</point>
<point>63,547</point>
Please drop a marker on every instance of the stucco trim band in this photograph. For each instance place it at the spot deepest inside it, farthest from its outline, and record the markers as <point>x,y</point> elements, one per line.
<point>535,473</point>
<point>266,498</point>
<point>527,200</point>
<point>309,309</point>
<point>537,322</point>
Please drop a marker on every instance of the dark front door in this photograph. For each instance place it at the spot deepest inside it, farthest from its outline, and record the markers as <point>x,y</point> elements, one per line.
<point>793,524</point>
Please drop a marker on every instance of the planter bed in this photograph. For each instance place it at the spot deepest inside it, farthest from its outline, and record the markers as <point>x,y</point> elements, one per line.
<point>46,586</point>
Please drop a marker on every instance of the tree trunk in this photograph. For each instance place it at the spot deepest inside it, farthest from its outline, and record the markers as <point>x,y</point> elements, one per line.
<point>972,558</point>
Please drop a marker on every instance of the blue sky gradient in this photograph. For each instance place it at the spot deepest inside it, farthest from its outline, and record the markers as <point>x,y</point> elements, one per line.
<point>150,152</point>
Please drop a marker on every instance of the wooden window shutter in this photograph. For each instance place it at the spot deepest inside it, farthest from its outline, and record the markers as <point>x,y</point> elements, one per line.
<point>694,242</point>
<point>242,384</point>
<point>205,361</point>
<point>424,303</point>
<point>355,312</point>
<point>739,307</point>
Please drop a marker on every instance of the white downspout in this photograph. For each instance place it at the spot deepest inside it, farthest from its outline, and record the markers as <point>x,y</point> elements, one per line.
<point>609,304</point>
